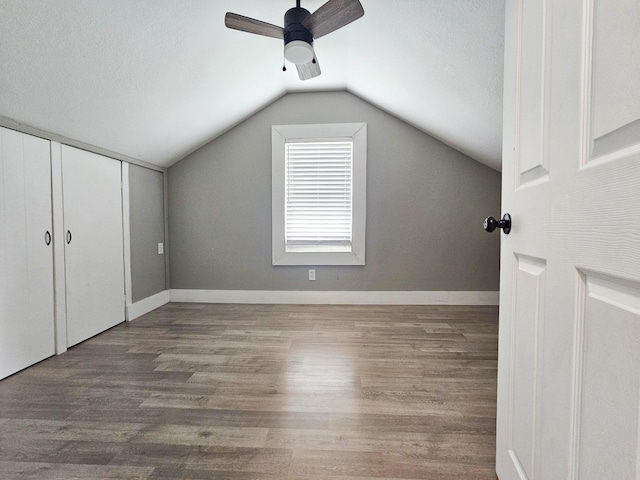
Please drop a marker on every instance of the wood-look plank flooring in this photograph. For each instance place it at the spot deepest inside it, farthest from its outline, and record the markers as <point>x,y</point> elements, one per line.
<point>201,391</point>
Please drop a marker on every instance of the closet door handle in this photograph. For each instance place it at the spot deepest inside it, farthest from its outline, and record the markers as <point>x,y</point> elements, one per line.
<point>68,237</point>
<point>47,238</point>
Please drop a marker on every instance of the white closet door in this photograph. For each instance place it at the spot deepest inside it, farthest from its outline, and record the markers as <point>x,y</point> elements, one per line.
<point>26,252</point>
<point>93,243</point>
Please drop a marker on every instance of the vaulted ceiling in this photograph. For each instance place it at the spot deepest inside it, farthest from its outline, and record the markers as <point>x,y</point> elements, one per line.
<point>156,79</point>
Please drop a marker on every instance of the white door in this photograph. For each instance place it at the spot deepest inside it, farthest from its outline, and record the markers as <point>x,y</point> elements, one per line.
<point>569,351</point>
<point>26,252</point>
<point>94,253</point>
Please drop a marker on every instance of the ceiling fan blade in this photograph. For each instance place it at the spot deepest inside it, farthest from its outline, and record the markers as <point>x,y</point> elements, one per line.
<point>308,70</point>
<point>251,25</point>
<point>333,15</point>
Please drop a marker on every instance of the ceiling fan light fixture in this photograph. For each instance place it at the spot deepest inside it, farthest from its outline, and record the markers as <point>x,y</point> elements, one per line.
<point>298,52</point>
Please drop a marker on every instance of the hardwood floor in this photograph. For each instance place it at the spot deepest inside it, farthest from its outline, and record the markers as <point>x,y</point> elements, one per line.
<point>195,391</point>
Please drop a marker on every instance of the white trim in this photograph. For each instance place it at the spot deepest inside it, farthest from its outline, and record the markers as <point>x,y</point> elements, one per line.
<point>126,234</point>
<point>280,134</point>
<point>148,304</point>
<point>167,243</point>
<point>335,298</point>
<point>59,276</point>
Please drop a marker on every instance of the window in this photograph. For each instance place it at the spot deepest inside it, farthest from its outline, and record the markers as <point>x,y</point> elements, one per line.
<point>319,194</point>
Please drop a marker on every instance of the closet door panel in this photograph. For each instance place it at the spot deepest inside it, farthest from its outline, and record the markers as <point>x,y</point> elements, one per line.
<point>14,247</point>
<point>94,253</point>
<point>26,252</point>
<point>40,238</point>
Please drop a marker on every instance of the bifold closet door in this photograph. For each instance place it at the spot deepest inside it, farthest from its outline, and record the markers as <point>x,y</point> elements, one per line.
<point>26,252</point>
<point>94,253</point>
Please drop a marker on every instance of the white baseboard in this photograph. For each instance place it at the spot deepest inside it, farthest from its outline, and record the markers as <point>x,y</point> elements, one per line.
<point>335,298</point>
<point>148,304</point>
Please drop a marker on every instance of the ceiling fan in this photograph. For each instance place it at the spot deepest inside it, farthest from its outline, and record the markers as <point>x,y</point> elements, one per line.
<point>301,28</point>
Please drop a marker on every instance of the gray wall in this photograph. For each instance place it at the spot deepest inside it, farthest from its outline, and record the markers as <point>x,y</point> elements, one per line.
<point>146,207</point>
<point>425,207</point>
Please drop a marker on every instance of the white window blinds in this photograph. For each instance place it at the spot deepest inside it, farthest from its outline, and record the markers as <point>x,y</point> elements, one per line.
<point>318,195</point>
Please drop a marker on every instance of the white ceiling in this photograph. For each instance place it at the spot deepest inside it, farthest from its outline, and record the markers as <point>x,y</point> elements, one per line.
<point>156,79</point>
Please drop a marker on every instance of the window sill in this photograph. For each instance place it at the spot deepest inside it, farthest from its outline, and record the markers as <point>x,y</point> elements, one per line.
<point>318,249</point>
<point>318,258</point>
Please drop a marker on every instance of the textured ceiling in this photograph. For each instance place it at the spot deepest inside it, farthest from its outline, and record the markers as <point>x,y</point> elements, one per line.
<point>156,79</point>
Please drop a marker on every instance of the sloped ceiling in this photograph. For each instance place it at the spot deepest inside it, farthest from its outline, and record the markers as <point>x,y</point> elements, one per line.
<point>156,79</point>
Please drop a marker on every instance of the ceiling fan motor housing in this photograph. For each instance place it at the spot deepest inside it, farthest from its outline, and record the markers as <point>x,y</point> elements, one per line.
<point>293,29</point>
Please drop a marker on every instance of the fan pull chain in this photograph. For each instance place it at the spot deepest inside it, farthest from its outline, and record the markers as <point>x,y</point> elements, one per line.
<point>284,67</point>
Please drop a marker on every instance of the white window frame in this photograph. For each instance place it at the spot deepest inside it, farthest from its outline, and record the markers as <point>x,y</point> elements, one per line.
<point>280,135</point>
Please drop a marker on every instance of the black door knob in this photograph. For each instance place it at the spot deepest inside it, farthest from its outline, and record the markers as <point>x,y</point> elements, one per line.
<point>490,224</point>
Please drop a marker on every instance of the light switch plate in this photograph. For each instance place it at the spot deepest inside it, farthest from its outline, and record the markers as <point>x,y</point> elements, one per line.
<point>161,249</point>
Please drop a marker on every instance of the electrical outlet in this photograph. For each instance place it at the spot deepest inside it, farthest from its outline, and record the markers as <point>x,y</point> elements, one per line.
<point>312,274</point>
<point>161,249</point>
